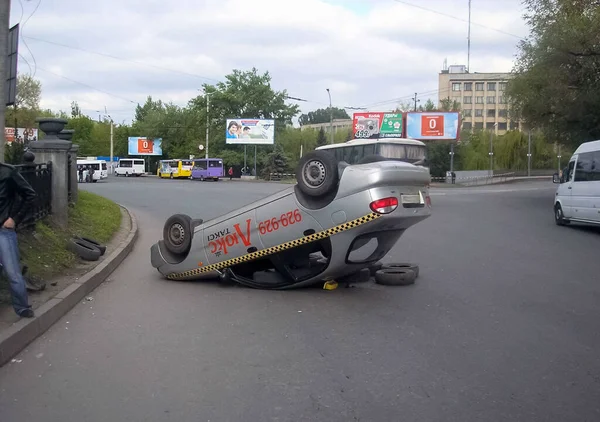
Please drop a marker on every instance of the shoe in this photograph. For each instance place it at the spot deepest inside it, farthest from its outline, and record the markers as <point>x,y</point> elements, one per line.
<point>27,313</point>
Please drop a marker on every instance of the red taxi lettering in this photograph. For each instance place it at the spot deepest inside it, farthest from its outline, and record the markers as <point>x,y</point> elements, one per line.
<point>222,244</point>
<point>284,220</point>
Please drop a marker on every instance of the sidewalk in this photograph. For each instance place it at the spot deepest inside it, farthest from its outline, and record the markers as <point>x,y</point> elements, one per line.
<point>62,293</point>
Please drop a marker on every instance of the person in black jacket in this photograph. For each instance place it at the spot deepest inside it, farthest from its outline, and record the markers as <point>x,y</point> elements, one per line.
<point>12,213</point>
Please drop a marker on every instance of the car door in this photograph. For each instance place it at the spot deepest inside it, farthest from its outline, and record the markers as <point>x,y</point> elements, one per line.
<point>563,192</point>
<point>582,188</point>
<point>595,188</point>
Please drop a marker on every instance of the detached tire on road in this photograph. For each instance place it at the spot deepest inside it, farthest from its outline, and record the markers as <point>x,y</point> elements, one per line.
<point>395,277</point>
<point>84,250</point>
<point>317,173</point>
<point>94,243</point>
<point>403,266</point>
<point>177,234</point>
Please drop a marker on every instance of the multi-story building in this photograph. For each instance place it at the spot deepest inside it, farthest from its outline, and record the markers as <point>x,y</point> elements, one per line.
<point>338,124</point>
<point>481,98</point>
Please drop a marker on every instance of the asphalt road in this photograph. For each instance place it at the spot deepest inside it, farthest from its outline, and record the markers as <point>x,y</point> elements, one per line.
<point>502,325</point>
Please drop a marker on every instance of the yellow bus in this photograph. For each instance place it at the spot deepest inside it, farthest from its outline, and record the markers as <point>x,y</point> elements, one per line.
<point>174,169</point>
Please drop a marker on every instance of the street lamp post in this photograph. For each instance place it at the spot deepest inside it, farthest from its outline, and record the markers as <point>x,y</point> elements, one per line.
<point>330,116</point>
<point>529,155</point>
<point>491,153</point>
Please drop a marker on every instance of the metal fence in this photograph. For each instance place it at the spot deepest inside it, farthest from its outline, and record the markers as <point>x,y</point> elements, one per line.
<point>39,176</point>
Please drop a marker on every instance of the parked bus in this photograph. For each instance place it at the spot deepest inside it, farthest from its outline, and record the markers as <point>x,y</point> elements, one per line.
<point>174,169</point>
<point>100,168</point>
<point>130,167</point>
<point>401,149</point>
<point>211,168</point>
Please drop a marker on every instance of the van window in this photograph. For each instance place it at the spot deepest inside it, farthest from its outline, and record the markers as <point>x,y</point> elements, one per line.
<point>595,173</point>
<point>569,176</point>
<point>583,171</point>
<point>125,163</point>
<point>104,167</point>
<point>138,162</point>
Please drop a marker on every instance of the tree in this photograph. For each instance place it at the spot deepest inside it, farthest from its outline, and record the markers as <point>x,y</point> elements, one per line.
<point>29,92</point>
<point>276,162</point>
<point>556,83</point>
<point>75,109</point>
<point>321,138</point>
<point>322,115</point>
<point>349,136</point>
<point>447,104</point>
<point>429,106</point>
<point>150,105</point>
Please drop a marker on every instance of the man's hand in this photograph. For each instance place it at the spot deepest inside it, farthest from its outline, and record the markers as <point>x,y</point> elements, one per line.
<point>9,224</point>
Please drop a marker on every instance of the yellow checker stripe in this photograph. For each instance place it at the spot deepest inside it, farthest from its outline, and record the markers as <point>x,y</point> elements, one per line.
<point>274,249</point>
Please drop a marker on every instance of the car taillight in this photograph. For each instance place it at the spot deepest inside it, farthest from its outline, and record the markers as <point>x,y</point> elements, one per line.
<point>384,205</point>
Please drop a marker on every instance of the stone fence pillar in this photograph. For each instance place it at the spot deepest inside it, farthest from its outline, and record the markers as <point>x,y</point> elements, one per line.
<point>55,150</point>
<point>67,135</point>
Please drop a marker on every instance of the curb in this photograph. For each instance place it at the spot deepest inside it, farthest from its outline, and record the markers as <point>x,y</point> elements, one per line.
<point>24,331</point>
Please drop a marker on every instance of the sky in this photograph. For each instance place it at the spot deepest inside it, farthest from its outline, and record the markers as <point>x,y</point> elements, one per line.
<point>110,55</point>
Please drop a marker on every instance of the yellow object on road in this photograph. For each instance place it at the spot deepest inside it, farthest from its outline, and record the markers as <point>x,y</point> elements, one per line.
<point>330,285</point>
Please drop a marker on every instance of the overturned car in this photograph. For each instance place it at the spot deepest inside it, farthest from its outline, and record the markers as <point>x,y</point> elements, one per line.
<point>336,221</point>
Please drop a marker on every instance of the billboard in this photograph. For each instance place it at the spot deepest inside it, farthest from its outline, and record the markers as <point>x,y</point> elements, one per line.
<point>377,125</point>
<point>250,132</point>
<point>23,135</point>
<point>144,146</point>
<point>433,125</point>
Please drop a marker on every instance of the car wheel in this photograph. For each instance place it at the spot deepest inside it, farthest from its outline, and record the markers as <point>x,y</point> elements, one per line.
<point>317,173</point>
<point>177,233</point>
<point>559,217</point>
<point>404,265</point>
<point>395,277</point>
<point>372,159</point>
<point>127,174</point>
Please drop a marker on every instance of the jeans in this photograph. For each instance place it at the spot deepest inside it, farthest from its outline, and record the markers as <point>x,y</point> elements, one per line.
<point>9,258</point>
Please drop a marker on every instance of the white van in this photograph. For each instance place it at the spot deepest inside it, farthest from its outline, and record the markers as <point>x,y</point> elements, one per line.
<point>130,167</point>
<point>578,194</point>
<point>100,168</point>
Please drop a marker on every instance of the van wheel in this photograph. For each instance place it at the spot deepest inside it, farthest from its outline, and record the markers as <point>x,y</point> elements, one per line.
<point>559,217</point>
<point>126,174</point>
<point>177,233</point>
<point>317,173</point>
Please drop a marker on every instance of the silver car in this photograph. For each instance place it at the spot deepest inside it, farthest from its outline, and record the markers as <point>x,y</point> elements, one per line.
<point>336,221</point>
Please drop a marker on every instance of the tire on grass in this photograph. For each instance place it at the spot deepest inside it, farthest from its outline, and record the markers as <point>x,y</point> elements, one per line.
<point>84,250</point>
<point>93,242</point>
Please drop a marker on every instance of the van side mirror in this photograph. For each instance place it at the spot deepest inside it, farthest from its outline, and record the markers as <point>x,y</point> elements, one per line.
<point>555,178</point>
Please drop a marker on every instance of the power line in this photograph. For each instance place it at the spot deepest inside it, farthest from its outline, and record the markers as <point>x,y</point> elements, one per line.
<point>437,12</point>
<point>122,59</point>
<point>88,86</point>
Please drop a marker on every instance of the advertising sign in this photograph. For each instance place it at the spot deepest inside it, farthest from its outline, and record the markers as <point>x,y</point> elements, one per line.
<point>377,125</point>
<point>432,125</point>
<point>250,132</point>
<point>23,135</point>
<point>144,146</point>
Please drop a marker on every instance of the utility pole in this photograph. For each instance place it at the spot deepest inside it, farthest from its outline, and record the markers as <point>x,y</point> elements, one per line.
<point>491,154</point>
<point>330,116</point>
<point>415,100</point>
<point>111,146</point>
<point>207,123</point>
<point>529,156</point>
<point>4,31</point>
<point>469,41</point>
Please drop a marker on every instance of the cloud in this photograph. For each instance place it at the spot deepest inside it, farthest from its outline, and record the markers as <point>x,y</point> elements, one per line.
<point>367,52</point>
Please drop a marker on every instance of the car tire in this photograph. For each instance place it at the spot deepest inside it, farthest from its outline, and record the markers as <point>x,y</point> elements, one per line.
<point>84,250</point>
<point>94,243</point>
<point>372,159</point>
<point>177,234</point>
<point>402,265</point>
<point>395,277</point>
<point>559,217</point>
<point>317,173</point>
<point>373,268</point>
